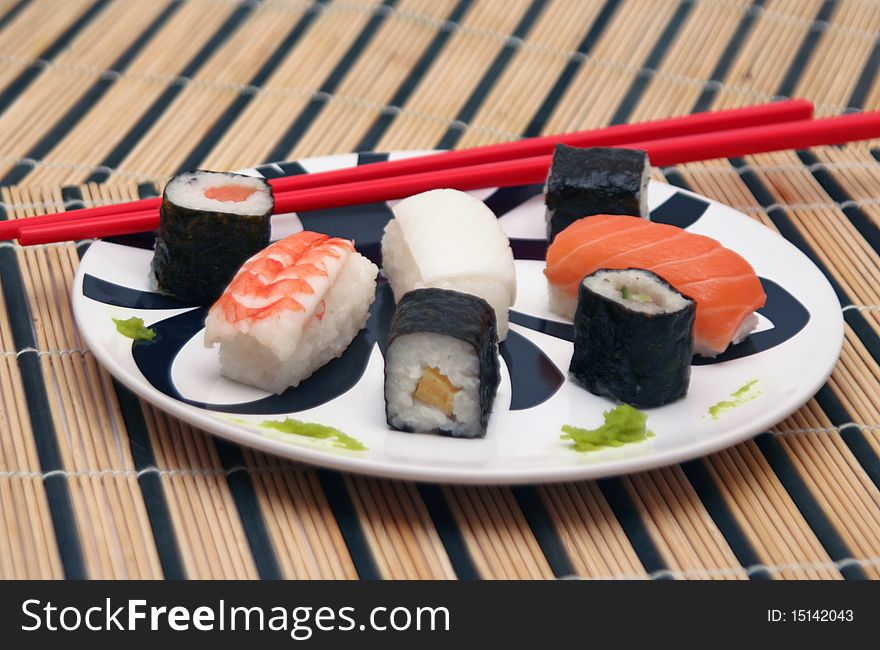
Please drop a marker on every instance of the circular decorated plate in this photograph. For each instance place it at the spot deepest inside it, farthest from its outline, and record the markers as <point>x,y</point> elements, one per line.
<point>741,393</point>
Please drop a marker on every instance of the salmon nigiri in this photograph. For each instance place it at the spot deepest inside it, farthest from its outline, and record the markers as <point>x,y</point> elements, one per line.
<point>724,285</point>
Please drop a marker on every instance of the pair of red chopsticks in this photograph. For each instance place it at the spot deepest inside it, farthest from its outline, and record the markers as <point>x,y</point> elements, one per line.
<point>701,136</point>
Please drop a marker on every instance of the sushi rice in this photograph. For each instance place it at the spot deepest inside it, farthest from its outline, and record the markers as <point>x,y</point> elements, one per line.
<point>456,360</point>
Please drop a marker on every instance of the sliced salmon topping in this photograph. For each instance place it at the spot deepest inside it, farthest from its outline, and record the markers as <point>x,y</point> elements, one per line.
<point>230,193</point>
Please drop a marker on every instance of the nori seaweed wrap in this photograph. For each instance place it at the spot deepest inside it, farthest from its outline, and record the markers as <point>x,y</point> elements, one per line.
<point>595,180</point>
<point>633,337</point>
<point>209,224</point>
<point>441,363</point>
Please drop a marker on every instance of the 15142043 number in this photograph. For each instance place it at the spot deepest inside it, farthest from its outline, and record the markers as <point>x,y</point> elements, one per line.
<point>810,615</point>
<point>821,615</point>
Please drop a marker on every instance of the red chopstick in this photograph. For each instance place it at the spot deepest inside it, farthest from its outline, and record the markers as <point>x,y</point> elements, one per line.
<point>773,113</point>
<point>670,151</point>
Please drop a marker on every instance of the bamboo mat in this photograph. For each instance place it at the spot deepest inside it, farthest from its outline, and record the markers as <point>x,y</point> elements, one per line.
<point>100,100</point>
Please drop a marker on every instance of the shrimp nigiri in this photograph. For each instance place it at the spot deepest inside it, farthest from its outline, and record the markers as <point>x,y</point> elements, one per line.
<point>290,309</point>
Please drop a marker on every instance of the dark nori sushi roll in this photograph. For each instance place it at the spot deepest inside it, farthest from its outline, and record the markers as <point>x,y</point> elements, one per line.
<point>633,337</point>
<point>595,180</point>
<point>210,223</point>
<point>441,363</point>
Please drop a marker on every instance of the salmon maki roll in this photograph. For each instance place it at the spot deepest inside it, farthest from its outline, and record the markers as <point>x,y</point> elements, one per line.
<point>724,285</point>
<point>290,309</point>
<point>209,224</point>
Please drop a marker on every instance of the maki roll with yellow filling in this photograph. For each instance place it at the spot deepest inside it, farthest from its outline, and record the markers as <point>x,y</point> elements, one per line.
<point>209,224</point>
<point>633,337</point>
<point>441,363</point>
<point>595,180</point>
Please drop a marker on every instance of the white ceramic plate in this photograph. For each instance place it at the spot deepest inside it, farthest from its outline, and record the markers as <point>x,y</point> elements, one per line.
<point>791,355</point>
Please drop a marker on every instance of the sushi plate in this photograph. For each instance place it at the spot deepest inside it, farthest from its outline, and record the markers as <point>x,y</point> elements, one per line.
<point>739,394</point>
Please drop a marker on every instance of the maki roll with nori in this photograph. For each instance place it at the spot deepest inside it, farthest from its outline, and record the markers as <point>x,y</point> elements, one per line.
<point>209,224</point>
<point>441,363</point>
<point>633,337</point>
<point>595,180</point>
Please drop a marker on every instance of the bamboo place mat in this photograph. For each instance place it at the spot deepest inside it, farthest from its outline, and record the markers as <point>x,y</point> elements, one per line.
<point>102,100</point>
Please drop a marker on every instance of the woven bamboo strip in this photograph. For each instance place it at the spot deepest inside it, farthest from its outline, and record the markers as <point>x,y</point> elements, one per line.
<point>186,121</point>
<point>861,183</point>
<point>828,231</point>
<point>94,136</point>
<point>499,540</point>
<point>772,527</point>
<point>268,115</point>
<point>304,533</point>
<point>872,99</point>
<point>35,29</point>
<point>684,532</point>
<point>694,54</point>
<point>399,530</point>
<point>589,531</point>
<point>27,545</point>
<point>838,58</point>
<point>375,77</point>
<point>854,382</point>
<point>88,422</point>
<point>449,82</point>
<point>520,90</point>
<point>846,493</point>
<point>854,378</point>
<point>46,101</point>
<point>206,521</point>
<point>598,90</point>
<point>767,53</point>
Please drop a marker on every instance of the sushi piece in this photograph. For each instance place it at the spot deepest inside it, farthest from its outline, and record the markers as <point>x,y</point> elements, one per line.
<point>449,239</point>
<point>209,224</point>
<point>724,285</point>
<point>595,180</point>
<point>290,309</point>
<point>633,337</point>
<point>441,364</point>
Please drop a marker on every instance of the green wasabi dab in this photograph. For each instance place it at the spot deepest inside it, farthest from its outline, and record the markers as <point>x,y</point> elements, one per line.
<point>134,328</point>
<point>622,425</point>
<point>314,430</point>
<point>739,397</point>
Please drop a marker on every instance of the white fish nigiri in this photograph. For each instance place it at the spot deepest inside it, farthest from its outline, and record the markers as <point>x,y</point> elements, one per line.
<point>450,240</point>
